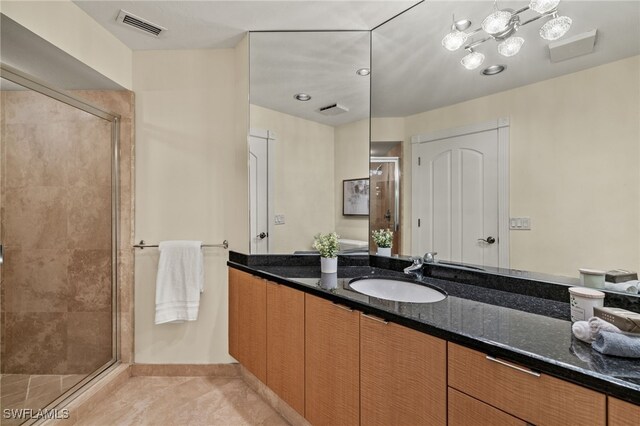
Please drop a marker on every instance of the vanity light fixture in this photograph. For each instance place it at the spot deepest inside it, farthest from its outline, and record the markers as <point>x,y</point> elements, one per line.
<point>363,72</point>
<point>302,97</point>
<point>501,25</point>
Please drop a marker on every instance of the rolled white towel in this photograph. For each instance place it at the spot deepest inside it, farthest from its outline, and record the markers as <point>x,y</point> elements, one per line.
<point>626,287</point>
<point>598,324</point>
<point>582,331</point>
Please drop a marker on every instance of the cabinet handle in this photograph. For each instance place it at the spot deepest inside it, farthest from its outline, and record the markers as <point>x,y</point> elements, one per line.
<point>515,367</point>
<point>346,308</point>
<point>376,318</point>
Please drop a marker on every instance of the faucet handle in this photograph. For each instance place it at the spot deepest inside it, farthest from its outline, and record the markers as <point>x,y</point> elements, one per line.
<point>417,260</point>
<point>430,257</point>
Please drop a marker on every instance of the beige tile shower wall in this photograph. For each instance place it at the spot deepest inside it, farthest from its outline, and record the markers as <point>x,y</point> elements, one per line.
<point>584,213</point>
<point>351,162</point>
<point>185,122</point>
<point>304,184</point>
<point>56,221</point>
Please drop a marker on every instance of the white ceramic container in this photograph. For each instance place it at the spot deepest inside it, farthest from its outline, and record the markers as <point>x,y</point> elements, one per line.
<point>582,301</point>
<point>328,265</point>
<point>592,278</point>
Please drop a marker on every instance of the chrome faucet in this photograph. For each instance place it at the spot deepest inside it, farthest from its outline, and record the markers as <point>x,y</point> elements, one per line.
<point>430,257</point>
<point>416,268</point>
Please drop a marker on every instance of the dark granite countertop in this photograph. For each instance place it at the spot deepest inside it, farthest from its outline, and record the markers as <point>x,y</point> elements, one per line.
<point>532,331</point>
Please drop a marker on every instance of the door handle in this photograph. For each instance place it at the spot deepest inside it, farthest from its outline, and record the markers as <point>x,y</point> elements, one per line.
<point>488,240</point>
<point>262,235</point>
<point>1,255</point>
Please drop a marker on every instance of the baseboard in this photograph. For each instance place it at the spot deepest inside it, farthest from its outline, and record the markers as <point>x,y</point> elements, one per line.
<point>186,370</point>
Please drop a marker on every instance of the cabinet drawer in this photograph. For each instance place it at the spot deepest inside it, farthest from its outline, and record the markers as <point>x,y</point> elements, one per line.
<point>535,398</point>
<point>464,410</point>
<point>623,413</point>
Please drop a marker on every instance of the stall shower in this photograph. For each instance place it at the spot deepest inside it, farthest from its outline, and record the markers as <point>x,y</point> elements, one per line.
<point>58,236</point>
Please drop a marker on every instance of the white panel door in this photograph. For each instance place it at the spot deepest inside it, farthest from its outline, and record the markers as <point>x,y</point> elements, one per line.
<point>258,193</point>
<point>456,190</point>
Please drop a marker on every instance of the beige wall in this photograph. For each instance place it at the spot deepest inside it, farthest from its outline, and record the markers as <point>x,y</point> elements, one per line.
<point>304,184</point>
<point>185,124</point>
<point>574,150</point>
<point>69,28</point>
<point>351,162</point>
<point>387,129</point>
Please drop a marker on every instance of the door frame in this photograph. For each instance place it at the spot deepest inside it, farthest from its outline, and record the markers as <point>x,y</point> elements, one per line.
<point>502,125</point>
<point>270,137</point>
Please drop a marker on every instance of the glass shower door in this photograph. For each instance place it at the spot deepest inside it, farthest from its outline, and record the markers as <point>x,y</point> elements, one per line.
<point>385,197</point>
<point>56,291</point>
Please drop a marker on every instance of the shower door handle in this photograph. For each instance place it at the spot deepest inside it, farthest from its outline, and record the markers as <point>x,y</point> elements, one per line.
<point>1,255</point>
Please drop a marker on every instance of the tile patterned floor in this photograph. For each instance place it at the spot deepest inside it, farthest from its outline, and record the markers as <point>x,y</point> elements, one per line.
<point>193,401</point>
<point>32,391</point>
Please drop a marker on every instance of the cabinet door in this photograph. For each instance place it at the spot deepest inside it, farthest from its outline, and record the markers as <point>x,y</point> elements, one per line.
<point>623,413</point>
<point>533,397</point>
<point>403,375</point>
<point>332,363</point>
<point>464,410</point>
<point>250,316</point>
<point>285,344</point>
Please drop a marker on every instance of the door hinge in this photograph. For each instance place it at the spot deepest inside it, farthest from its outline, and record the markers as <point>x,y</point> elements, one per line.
<point>418,223</point>
<point>419,161</point>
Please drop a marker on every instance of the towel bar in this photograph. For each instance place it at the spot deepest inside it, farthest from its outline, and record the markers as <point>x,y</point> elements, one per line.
<point>141,245</point>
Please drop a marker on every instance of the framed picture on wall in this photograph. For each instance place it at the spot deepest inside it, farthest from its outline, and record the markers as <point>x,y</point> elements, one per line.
<point>355,197</point>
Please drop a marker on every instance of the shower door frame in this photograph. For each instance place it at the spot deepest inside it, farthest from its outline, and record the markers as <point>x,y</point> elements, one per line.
<point>23,79</point>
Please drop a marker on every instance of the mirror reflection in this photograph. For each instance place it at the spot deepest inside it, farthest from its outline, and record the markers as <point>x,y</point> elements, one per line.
<point>534,168</point>
<point>309,139</point>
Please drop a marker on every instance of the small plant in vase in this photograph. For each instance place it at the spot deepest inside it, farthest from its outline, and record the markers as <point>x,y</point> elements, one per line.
<point>384,240</point>
<point>328,246</point>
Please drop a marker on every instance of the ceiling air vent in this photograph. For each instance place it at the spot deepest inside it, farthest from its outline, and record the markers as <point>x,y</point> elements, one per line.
<point>140,24</point>
<point>333,109</point>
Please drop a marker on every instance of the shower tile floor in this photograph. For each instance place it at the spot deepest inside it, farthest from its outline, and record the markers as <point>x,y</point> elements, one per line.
<point>183,401</point>
<point>32,391</point>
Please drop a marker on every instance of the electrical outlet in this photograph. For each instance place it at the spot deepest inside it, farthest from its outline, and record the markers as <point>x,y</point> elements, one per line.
<point>279,219</point>
<point>520,223</point>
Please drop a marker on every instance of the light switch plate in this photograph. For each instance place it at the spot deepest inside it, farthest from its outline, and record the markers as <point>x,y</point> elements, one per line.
<point>279,219</point>
<point>520,223</point>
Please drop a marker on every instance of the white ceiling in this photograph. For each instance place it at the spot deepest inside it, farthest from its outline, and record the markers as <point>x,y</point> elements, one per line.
<point>412,72</point>
<point>321,64</point>
<point>221,24</point>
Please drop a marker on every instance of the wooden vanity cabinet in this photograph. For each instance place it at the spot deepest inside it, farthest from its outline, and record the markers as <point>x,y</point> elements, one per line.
<point>533,397</point>
<point>332,363</point>
<point>403,375</point>
<point>248,322</point>
<point>622,413</point>
<point>465,410</point>
<point>285,344</point>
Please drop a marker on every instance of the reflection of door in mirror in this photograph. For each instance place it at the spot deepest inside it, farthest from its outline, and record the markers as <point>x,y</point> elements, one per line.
<point>456,196</point>
<point>385,198</point>
<point>259,142</point>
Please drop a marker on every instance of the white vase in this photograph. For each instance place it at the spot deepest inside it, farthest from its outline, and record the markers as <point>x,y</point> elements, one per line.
<point>328,265</point>
<point>384,251</point>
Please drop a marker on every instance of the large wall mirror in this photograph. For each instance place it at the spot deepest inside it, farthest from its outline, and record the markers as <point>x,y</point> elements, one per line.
<point>309,139</point>
<point>534,168</point>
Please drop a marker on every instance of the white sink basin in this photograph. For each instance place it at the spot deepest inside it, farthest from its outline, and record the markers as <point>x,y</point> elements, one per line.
<point>399,291</point>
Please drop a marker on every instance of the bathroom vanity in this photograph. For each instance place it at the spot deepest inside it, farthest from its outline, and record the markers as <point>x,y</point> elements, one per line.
<point>337,356</point>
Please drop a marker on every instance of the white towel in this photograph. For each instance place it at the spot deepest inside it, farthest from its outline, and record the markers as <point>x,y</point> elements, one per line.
<point>180,281</point>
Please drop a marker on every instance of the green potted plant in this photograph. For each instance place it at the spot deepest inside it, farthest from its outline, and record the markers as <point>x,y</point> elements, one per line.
<point>328,246</point>
<point>384,240</point>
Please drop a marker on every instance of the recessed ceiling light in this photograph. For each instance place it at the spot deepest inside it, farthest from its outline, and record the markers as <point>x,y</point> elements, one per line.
<point>302,97</point>
<point>363,71</point>
<point>493,69</point>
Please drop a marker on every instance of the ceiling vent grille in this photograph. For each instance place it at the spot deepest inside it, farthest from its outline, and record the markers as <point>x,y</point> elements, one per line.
<point>333,109</point>
<point>140,24</point>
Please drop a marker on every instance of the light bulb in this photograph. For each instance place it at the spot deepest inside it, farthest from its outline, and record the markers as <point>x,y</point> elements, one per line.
<point>555,28</point>
<point>543,6</point>
<point>473,60</point>
<point>510,46</point>
<point>454,40</point>
<point>497,22</point>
